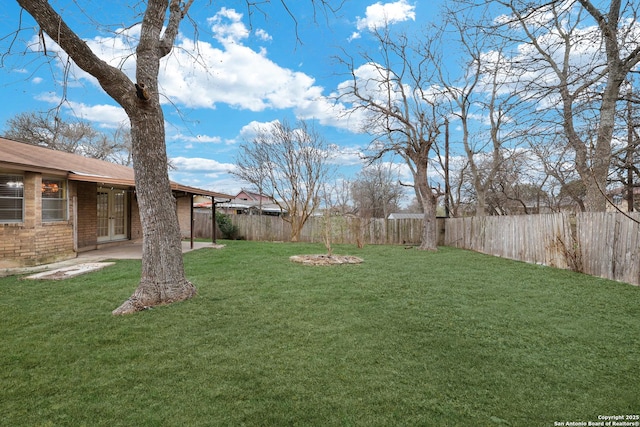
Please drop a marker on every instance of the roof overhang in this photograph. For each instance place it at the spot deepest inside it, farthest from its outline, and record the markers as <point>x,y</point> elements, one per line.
<point>38,169</point>
<point>98,179</point>
<point>21,157</point>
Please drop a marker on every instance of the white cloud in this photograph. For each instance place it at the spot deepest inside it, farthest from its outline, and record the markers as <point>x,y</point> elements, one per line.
<point>203,74</point>
<point>239,76</point>
<point>109,116</point>
<point>347,113</point>
<point>200,139</point>
<point>263,35</point>
<point>227,26</point>
<point>37,80</point>
<point>355,35</point>
<point>348,157</point>
<point>197,164</point>
<point>380,14</point>
<point>251,130</point>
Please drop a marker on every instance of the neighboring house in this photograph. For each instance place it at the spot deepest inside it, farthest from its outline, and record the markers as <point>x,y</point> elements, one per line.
<point>204,202</point>
<point>248,203</point>
<point>405,216</point>
<point>55,204</point>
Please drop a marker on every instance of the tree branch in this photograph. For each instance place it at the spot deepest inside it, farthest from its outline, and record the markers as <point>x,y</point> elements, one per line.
<point>113,81</point>
<point>176,13</point>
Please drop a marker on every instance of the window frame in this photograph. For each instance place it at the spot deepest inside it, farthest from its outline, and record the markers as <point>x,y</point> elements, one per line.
<point>15,198</point>
<point>54,186</point>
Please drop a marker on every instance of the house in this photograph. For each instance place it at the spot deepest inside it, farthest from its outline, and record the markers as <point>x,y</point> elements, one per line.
<point>249,203</point>
<point>397,215</point>
<point>206,202</point>
<point>55,204</point>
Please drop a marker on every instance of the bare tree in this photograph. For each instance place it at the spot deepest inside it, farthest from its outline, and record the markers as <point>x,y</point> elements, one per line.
<point>80,137</point>
<point>290,165</point>
<point>480,102</point>
<point>346,215</point>
<point>51,132</point>
<point>515,190</point>
<point>376,190</point>
<point>572,58</point>
<point>625,156</point>
<point>342,202</point>
<point>163,278</point>
<point>121,138</point>
<point>556,158</point>
<point>392,88</point>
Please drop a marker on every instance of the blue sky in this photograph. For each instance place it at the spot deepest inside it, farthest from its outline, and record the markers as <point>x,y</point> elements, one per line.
<point>240,72</point>
<point>233,72</point>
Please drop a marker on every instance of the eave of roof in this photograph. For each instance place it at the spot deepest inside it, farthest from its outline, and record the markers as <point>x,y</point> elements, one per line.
<point>20,156</point>
<point>99,179</point>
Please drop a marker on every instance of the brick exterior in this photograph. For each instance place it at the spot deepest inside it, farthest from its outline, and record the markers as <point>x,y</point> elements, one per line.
<point>33,242</point>
<point>183,206</point>
<point>87,221</point>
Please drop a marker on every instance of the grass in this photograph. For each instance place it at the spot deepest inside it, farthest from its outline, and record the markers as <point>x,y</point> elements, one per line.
<point>406,338</point>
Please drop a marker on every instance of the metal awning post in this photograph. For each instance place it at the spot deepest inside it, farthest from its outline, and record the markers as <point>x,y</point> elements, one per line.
<point>213,220</point>
<point>192,219</point>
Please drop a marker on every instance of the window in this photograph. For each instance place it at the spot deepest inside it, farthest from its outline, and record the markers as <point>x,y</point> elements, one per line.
<point>54,199</point>
<point>11,198</point>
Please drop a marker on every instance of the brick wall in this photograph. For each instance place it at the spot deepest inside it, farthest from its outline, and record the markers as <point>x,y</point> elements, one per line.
<point>33,242</point>
<point>54,242</point>
<point>87,221</point>
<point>18,243</point>
<point>184,215</point>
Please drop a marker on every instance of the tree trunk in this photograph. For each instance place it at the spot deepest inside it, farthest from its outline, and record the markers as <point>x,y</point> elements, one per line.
<point>596,200</point>
<point>481,199</point>
<point>163,279</point>
<point>429,241</point>
<point>295,227</point>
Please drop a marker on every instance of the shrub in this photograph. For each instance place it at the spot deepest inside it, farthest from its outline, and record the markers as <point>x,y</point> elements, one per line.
<point>228,229</point>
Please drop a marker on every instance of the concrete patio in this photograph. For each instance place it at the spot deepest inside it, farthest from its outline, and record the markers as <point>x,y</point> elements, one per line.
<point>127,250</point>
<point>132,250</point>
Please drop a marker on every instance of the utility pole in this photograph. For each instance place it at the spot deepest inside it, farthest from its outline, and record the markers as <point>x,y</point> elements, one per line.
<point>629,156</point>
<point>447,188</point>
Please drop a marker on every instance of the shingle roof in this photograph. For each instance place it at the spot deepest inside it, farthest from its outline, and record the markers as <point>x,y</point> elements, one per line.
<point>21,156</point>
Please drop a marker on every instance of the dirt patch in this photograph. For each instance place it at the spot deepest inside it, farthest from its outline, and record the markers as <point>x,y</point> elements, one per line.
<point>326,259</point>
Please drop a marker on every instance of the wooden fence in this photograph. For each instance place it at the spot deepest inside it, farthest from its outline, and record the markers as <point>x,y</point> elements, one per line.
<point>344,230</point>
<point>600,244</point>
<point>539,239</point>
<point>605,244</point>
<point>609,245</point>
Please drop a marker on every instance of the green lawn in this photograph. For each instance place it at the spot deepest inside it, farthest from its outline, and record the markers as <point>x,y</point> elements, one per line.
<point>406,338</point>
